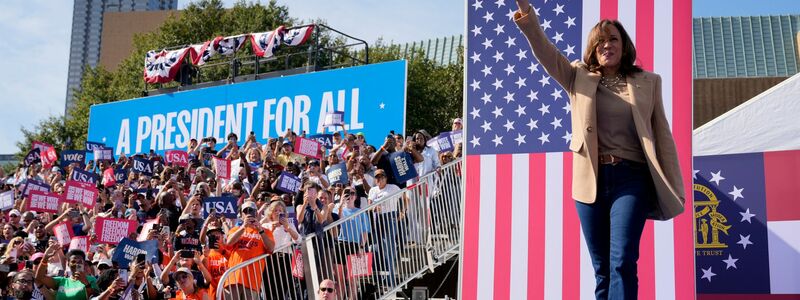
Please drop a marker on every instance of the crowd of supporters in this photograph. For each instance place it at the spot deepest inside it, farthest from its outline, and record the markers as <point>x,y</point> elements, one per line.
<point>196,249</point>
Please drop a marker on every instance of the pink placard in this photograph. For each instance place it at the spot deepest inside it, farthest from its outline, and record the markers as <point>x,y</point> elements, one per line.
<point>112,231</point>
<point>146,227</point>
<point>63,232</point>
<point>80,243</point>
<point>80,192</point>
<point>177,157</point>
<point>222,167</point>
<point>108,177</point>
<point>307,147</point>
<point>43,201</point>
<point>49,157</point>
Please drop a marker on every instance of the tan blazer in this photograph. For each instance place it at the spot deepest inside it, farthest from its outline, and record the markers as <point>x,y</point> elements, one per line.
<point>648,116</point>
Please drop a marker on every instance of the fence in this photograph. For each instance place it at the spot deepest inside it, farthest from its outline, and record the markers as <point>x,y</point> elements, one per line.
<point>371,252</point>
<point>442,51</point>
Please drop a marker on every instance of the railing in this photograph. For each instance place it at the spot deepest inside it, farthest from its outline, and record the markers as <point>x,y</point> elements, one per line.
<point>404,235</point>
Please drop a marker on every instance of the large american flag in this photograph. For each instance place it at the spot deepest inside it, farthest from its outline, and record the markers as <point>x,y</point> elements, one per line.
<point>522,238</point>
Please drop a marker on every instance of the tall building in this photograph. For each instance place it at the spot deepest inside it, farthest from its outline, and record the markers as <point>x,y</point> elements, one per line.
<point>87,27</point>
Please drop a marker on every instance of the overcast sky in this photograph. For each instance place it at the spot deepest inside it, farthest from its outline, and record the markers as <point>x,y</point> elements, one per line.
<point>35,52</point>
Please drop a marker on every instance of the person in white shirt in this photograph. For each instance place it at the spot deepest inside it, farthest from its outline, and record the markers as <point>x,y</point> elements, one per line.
<point>388,213</point>
<point>430,157</point>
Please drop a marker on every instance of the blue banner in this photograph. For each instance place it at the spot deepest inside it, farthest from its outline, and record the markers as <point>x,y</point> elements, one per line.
<point>326,140</point>
<point>128,249</point>
<point>91,146</point>
<point>337,173</point>
<point>372,98</point>
<point>402,166</point>
<point>120,175</point>
<point>143,165</point>
<point>288,183</point>
<point>73,156</point>
<point>33,156</point>
<point>83,176</point>
<point>35,185</point>
<point>225,206</point>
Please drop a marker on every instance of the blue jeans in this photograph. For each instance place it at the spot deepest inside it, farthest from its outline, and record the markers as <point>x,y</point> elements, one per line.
<point>613,226</point>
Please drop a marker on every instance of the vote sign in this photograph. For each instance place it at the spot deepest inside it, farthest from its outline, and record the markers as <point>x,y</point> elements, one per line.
<point>288,183</point>
<point>43,202</point>
<point>80,192</point>
<point>307,147</point>
<point>334,118</point>
<point>73,156</point>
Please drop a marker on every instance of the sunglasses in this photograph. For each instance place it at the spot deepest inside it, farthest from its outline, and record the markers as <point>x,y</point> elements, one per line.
<point>326,290</point>
<point>23,281</point>
<point>181,277</point>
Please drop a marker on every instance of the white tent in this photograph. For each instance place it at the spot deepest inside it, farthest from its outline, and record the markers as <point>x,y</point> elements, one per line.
<point>767,122</point>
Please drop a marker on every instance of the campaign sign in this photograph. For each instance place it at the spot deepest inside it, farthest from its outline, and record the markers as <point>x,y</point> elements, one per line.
<point>83,176</point>
<point>444,143</point>
<point>402,166</point>
<point>49,157</point>
<point>288,183</point>
<point>91,146</point>
<point>42,146</point>
<point>177,157</point>
<point>146,227</point>
<point>79,243</point>
<point>128,249</point>
<point>372,97</point>
<point>457,136</point>
<point>63,233</point>
<point>80,192</point>
<point>338,173</point>
<point>143,166</point>
<point>111,231</point>
<point>222,205</point>
<point>222,167</point>
<point>307,147</point>
<point>7,200</point>
<point>43,202</point>
<point>334,118</point>
<point>120,175</point>
<point>108,177</point>
<point>34,185</point>
<point>32,157</point>
<point>105,153</point>
<point>325,140</point>
<point>73,156</point>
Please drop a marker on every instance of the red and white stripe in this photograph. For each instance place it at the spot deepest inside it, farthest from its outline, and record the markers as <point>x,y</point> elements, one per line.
<point>521,232</point>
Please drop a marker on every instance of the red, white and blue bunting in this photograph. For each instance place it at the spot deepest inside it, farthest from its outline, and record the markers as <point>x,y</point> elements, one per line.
<point>161,67</point>
<point>298,35</point>
<point>265,43</point>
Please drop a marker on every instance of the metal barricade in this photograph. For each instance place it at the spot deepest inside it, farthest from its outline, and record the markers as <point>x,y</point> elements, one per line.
<point>265,277</point>
<point>370,252</point>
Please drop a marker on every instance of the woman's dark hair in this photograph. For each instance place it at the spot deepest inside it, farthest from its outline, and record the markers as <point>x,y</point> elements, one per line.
<point>627,61</point>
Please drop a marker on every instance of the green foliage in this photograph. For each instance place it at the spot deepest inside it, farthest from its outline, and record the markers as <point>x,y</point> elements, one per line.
<point>434,91</point>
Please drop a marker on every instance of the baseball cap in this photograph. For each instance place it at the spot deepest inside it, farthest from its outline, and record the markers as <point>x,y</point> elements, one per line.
<point>249,204</point>
<point>457,120</point>
<point>14,212</point>
<point>105,261</point>
<point>380,172</point>
<point>183,270</point>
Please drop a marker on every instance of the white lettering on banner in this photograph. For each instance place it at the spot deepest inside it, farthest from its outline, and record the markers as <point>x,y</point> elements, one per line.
<point>62,234</point>
<point>308,147</point>
<point>221,207</point>
<point>335,174</point>
<point>131,252</point>
<point>402,165</point>
<point>114,230</point>
<point>173,129</point>
<point>358,265</point>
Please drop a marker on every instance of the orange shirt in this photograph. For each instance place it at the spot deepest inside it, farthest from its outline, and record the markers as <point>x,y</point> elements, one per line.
<point>198,295</point>
<point>250,245</point>
<point>217,265</point>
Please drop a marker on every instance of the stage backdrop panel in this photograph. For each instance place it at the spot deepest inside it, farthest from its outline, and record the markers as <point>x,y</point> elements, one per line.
<point>371,96</point>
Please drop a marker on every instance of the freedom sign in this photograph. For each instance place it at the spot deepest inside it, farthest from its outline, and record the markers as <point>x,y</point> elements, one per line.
<point>112,231</point>
<point>43,202</point>
<point>80,192</point>
<point>225,206</point>
<point>307,147</point>
<point>373,97</point>
<point>143,166</point>
<point>177,157</point>
<point>337,173</point>
<point>222,167</point>
<point>73,156</point>
<point>63,233</point>
<point>288,183</point>
<point>402,166</point>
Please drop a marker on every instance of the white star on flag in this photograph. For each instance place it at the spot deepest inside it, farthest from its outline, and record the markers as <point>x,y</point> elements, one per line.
<point>744,240</point>
<point>716,177</point>
<point>730,262</point>
<point>746,215</point>
<point>736,193</point>
<point>707,274</point>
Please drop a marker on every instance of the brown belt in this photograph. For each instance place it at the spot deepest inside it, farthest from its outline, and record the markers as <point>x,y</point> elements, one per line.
<point>608,159</point>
